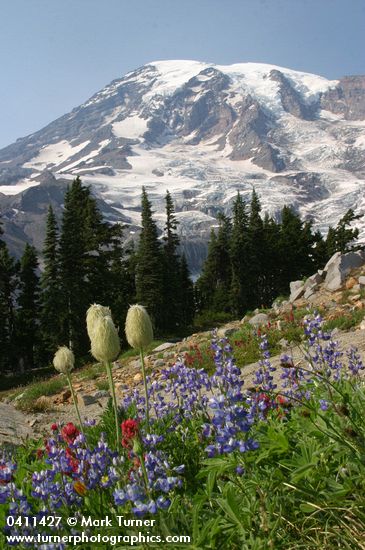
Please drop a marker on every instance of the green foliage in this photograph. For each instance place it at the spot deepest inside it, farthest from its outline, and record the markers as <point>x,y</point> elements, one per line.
<point>40,389</point>
<point>149,268</point>
<point>342,237</point>
<point>302,488</point>
<point>345,322</point>
<point>51,296</point>
<point>209,319</point>
<point>8,287</point>
<point>28,338</point>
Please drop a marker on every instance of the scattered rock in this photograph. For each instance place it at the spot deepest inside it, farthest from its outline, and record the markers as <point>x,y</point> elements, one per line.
<point>298,293</point>
<point>85,399</point>
<point>339,266</point>
<point>137,377</point>
<point>65,396</point>
<point>159,363</point>
<point>313,280</point>
<point>19,397</point>
<point>362,325</point>
<point>284,343</point>
<point>33,422</point>
<point>362,281</point>
<point>225,332</point>
<point>310,290</point>
<point>295,285</point>
<point>101,394</point>
<point>355,298</point>
<point>117,365</point>
<point>164,347</point>
<point>259,319</point>
<point>359,305</point>
<point>351,282</point>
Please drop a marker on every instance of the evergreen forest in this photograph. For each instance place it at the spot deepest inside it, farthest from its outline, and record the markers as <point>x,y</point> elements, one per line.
<point>251,260</point>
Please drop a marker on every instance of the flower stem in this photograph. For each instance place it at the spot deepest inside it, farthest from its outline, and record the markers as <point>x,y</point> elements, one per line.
<point>145,390</point>
<point>112,391</point>
<point>75,401</point>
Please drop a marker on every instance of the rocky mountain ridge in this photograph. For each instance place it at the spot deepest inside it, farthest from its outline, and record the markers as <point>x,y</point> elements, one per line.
<point>203,131</point>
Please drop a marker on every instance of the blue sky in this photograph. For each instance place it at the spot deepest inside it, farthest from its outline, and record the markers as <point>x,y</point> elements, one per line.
<point>55,54</point>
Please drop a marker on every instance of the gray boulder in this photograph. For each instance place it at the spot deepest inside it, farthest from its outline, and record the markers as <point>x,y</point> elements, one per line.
<point>259,319</point>
<point>362,282</point>
<point>313,280</point>
<point>295,285</point>
<point>339,266</point>
<point>297,294</point>
<point>310,291</point>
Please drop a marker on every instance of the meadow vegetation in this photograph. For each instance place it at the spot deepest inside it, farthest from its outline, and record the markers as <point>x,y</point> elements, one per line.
<point>277,464</point>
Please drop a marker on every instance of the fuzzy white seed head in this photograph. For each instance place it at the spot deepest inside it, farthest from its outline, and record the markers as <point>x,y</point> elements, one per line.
<point>94,314</point>
<point>64,360</point>
<point>105,345</point>
<point>138,327</point>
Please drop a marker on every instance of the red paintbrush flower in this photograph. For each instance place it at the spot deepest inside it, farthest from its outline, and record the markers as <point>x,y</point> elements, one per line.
<point>130,430</point>
<point>69,432</point>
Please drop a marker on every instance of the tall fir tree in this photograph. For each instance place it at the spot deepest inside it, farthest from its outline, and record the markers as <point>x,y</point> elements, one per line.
<point>8,290</point>
<point>149,268</point>
<point>120,282</point>
<point>214,284</point>
<point>255,253</point>
<point>223,281</point>
<point>270,267</point>
<point>343,236</point>
<point>51,296</point>
<point>296,244</point>
<point>82,263</point>
<point>27,318</point>
<point>239,291</point>
<point>171,273</point>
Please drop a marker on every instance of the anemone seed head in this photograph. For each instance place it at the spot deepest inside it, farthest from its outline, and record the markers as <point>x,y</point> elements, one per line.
<point>105,344</point>
<point>93,314</point>
<point>64,360</point>
<point>138,327</point>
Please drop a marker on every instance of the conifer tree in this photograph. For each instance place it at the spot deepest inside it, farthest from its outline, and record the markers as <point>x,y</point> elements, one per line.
<point>296,243</point>
<point>120,283</point>
<point>255,253</point>
<point>239,291</point>
<point>171,271</point>
<point>223,282</point>
<point>342,237</point>
<point>214,284</point>
<point>82,263</point>
<point>27,318</point>
<point>271,265</point>
<point>51,297</point>
<point>149,268</point>
<point>8,288</point>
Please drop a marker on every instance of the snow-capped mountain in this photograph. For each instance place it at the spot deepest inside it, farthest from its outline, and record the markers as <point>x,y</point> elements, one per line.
<point>202,131</point>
